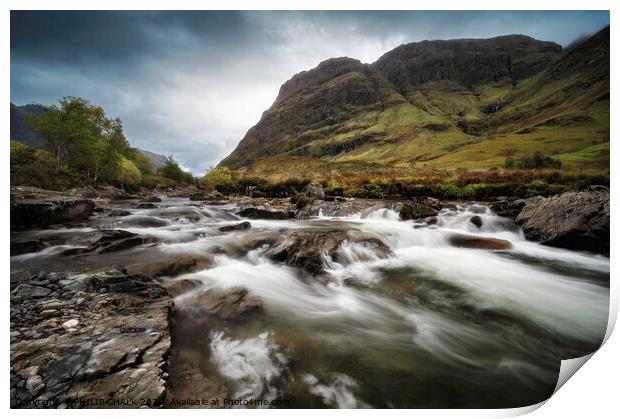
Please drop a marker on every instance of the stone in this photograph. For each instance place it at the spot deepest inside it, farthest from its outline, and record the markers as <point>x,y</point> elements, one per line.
<point>43,212</point>
<point>170,267</point>
<point>245,225</point>
<point>476,220</point>
<point>152,198</point>
<point>477,242</point>
<point>576,220</point>
<point>31,291</point>
<point>146,205</point>
<point>35,383</point>
<point>263,213</point>
<point>308,250</point>
<point>70,324</point>
<point>205,196</point>
<point>416,209</point>
<point>28,246</point>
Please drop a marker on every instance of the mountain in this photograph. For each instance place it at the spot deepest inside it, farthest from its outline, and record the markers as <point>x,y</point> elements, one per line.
<point>19,128</point>
<point>20,131</point>
<point>157,160</point>
<point>466,103</point>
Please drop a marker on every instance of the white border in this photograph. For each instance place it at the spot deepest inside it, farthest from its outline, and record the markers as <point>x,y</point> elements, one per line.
<point>592,393</point>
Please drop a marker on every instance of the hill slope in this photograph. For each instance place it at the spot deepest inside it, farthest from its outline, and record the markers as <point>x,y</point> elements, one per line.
<point>439,104</point>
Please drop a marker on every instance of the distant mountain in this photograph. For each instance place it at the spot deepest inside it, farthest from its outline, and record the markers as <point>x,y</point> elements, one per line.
<point>157,160</point>
<point>19,128</point>
<point>466,103</point>
<point>20,131</point>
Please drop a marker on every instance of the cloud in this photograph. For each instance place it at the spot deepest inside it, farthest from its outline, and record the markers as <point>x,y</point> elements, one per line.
<point>190,84</point>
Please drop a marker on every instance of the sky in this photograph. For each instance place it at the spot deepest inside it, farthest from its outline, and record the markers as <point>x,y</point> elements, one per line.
<point>190,84</point>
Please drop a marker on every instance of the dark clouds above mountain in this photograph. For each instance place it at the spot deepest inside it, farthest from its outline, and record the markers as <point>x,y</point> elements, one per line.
<point>190,84</point>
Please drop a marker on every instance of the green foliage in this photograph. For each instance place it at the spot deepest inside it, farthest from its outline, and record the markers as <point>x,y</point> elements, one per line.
<point>333,187</point>
<point>128,173</point>
<point>219,178</point>
<point>21,153</point>
<point>171,170</point>
<point>535,161</point>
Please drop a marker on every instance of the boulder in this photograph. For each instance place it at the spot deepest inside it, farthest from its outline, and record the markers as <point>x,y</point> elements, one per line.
<point>476,220</point>
<point>40,213</point>
<point>146,205</point>
<point>417,209</point>
<point>311,192</point>
<point>577,220</point>
<point>169,267</point>
<point>511,209</point>
<point>476,242</point>
<point>182,286</point>
<point>313,251</point>
<point>152,198</point>
<point>228,304</point>
<point>28,246</point>
<point>261,212</point>
<point>245,225</point>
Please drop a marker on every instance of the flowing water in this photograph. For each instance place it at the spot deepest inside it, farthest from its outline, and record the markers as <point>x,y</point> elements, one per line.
<point>432,325</point>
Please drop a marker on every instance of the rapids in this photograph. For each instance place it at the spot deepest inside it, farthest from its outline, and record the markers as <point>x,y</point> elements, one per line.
<point>431,325</point>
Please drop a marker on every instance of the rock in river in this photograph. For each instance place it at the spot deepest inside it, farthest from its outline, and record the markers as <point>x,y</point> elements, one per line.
<point>477,242</point>
<point>577,220</point>
<point>43,212</point>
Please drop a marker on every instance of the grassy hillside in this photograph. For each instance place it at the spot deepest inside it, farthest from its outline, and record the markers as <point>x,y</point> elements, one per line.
<point>442,105</point>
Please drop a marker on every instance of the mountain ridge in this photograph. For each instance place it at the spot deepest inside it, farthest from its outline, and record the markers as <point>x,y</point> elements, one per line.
<point>434,103</point>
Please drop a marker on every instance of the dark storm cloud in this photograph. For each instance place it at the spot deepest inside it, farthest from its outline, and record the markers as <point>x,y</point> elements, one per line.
<point>191,83</point>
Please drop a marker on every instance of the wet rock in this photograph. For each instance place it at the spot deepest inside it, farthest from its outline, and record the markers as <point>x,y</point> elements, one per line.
<point>476,220</point>
<point>245,225</point>
<point>34,212</point>
<point>27,291</point>
<point>118,213</point>
<point>152,198</point>
<point>511,209</point>
<point>113,346</point>
<point>264,213</point>
<point>417,209</point>
<point>170,267</point>
<point>229,304</point>
<point>577,220</point>
<point>311,192</point>
<point>28,246</point>
<point>313,251</point>
<point>146,205</point>
<point>476,242</point>
<point>18,277</point>
<point>181,192</point>
<point>182,286</point>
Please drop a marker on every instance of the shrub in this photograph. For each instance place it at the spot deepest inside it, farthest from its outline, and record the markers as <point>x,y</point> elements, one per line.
<point>128,173</point>
<point>21,153</point>
<point>219,178</point>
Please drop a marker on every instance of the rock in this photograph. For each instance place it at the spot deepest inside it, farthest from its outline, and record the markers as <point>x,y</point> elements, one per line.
<point>476,242</point>
<point>263,213</point>
<point>31,291</point>
<point>182,286</point>
<point>229,304</point>
<point>152,198</point>
<point>245,225</point>
<point>181,192</point>
<point>36,212</point>
<point>18,277</point>
<point>29,372</point>
<point>118,213</point>
<point>308,249</point>
<point>311,192</point>
<point>114,347</point>
<point>205,196</point>
<point>146,205</point>
<point>35,383</point>
<point>28,246</point>
<point>476,220</point>
<point>577,220</point>
<point>511,209</point>
<point>417,209</point>
<point>169,267</point>
<point>70,324</point>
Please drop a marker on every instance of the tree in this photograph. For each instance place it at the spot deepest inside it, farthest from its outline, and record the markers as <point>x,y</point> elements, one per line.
<point>173,171</point>
<point>128,173</point>
<point>220,178</point>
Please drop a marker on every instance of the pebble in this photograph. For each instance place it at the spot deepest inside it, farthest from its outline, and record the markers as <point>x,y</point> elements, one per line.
<point>70,324</point>
<point>35,383</point>
<point>29,372</point>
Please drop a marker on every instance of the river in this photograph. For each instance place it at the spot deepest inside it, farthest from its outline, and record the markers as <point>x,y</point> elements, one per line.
<point>430,325</point>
